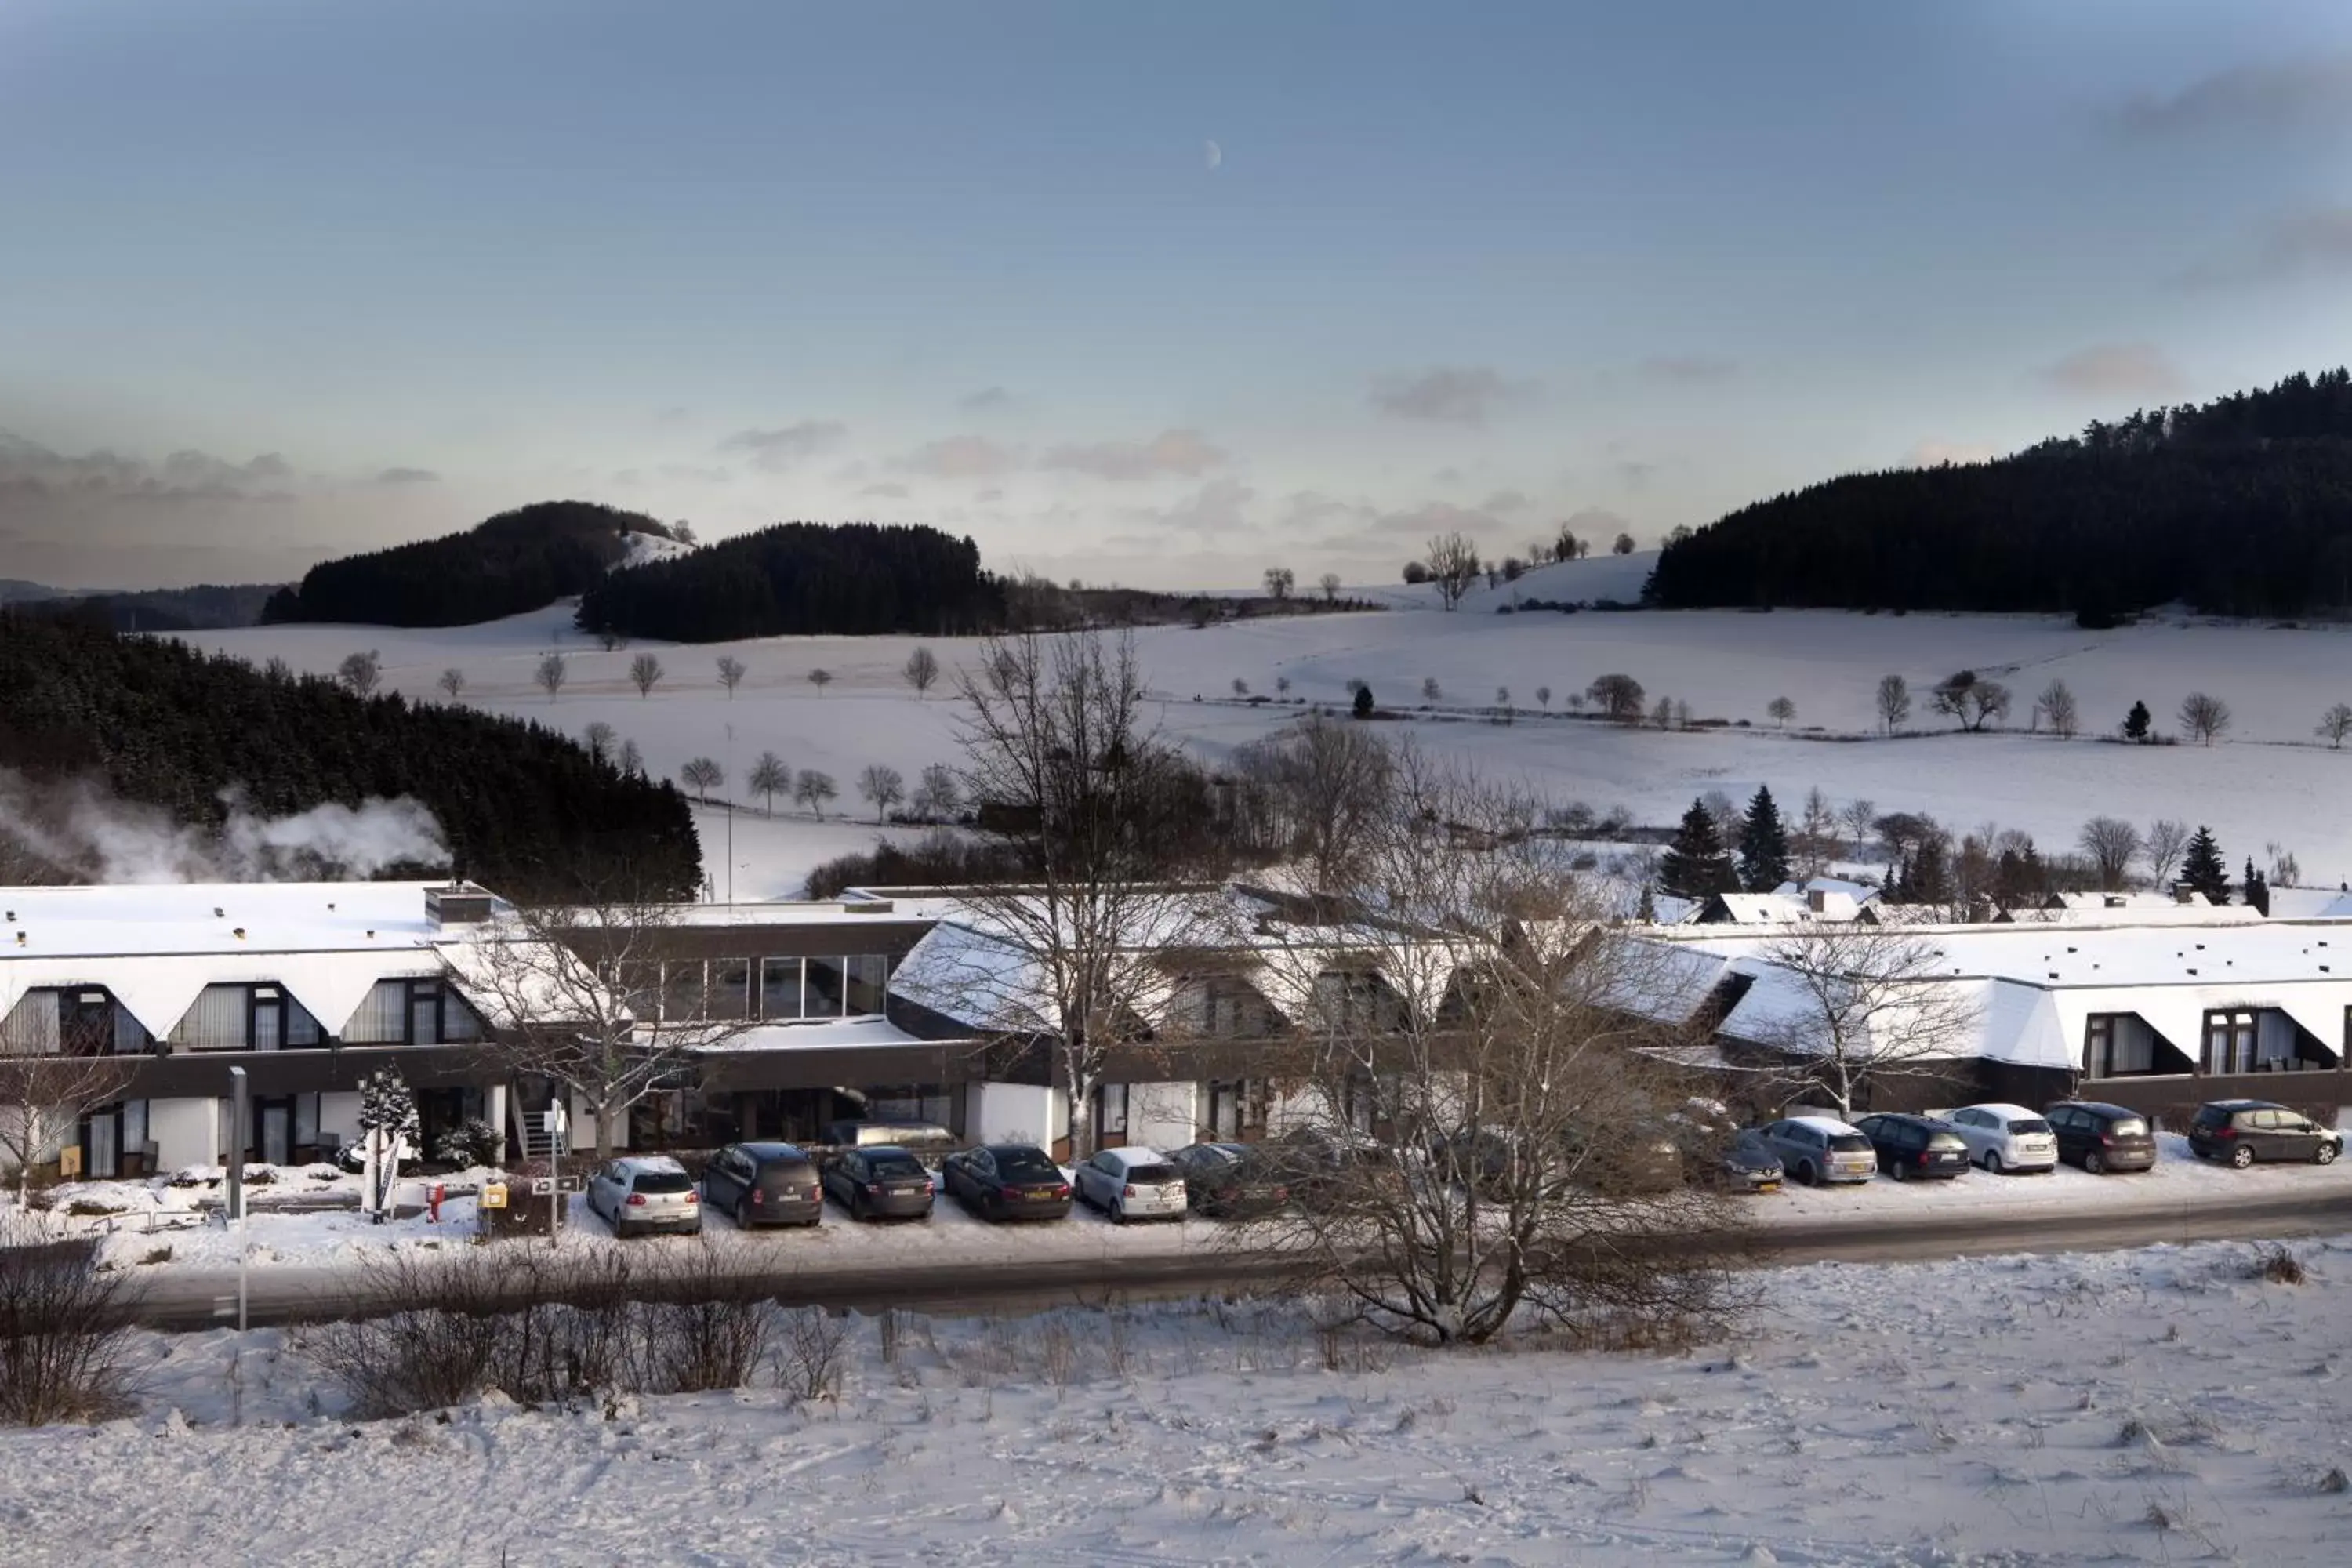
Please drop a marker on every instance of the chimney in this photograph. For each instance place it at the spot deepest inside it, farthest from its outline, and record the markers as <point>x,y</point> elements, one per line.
<point>1816,899</point>
<point>458,904</point>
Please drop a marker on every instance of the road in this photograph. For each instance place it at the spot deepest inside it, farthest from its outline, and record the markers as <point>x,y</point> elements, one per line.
<point>194,1300</point>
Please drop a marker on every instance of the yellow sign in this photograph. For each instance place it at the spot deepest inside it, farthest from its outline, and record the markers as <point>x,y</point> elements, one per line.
<point>494,1194</point>
<point>70,1161</point>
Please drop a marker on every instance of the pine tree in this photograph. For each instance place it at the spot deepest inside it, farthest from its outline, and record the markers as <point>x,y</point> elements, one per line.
<point>2202,869</point>
<point>2258,890</point>
<point>1363,709</point>
<point>1696,865</point>
<point>1926,880</point>
<point>1763,845</point>
<point>2135,724</point>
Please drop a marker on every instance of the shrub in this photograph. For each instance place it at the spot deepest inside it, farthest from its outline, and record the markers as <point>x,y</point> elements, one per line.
<point>473,1142</point>
<point>63,1324</point>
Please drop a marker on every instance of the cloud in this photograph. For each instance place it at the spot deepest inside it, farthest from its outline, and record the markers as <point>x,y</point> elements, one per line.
<point>1506,500</point>
<point>987,400</point>
<point>2281,95</point>
<point>779,449</point>
<point>1433,518</point>
<point>1459,395</point>
<point>1182,452</point>
<point>1215,508</point>
<point>1688,370</point>
<point>407,476</point>
<point>30,470</point>
<point>1935,454</point>
<point>2315,244</point>
<point>1596,525</point>
<point>983,497</point>
<point>958,458</point>
<point>2115,369</point>
<point>696,474</point>
<point>888,492</point>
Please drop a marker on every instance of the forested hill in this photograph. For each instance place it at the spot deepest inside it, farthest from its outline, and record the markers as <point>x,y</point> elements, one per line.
<point>800,578</point>
<point>517,561</point>
<point>2243,506</point>
<point>524,809</point>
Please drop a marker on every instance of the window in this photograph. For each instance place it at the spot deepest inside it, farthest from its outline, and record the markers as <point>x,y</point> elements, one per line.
<point>217,1021</point>
<point>383,1018</point>
<point>402,1013</point>
<point>1110,1109</point>
<point>686,989</point>
<point>780,988</point>
<point>825,991</point>
<point>2117,1045</point>
<point>869,978</point>
<point>730,988</point>
<point>2228,1042</point>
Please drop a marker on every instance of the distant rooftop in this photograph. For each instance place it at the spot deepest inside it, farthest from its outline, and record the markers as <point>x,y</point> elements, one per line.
<point>214,917</point>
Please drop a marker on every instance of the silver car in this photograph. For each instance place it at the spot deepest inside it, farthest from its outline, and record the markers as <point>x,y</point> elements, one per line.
<point>644,1193</point>
<point>1817,1149</point>
<point>1132,1184</point>
<point>2003,1137</point>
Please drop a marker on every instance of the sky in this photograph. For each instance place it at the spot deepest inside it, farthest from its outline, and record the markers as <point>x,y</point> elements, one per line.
<point>1154,295</point>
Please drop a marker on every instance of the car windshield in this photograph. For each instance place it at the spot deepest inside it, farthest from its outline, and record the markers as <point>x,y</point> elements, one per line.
<point>2029,1125</point>
<point>1025,1166</point>
<point>1148,1173</point>
<point>894,1167</point>
<point>2127,1127</point>
<point>1850,1143</point>
<point>662,1181</point>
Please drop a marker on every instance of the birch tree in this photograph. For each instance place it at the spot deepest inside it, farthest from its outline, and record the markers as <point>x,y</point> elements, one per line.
<point>1859,1005</point>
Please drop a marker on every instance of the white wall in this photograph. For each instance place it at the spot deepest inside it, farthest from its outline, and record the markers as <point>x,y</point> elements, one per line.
<point>1015,1113</point>
<point>184,1131</point>
<point>1163,1115</point>
<point>339,1112</point>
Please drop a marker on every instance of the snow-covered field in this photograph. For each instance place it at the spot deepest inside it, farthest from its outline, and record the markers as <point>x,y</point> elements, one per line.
<point>2268,780</point>
<point>152,1217</point>
<point>2164,1406</point>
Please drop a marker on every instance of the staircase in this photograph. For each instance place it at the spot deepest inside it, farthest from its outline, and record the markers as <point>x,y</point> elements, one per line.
<point>540,1139</point>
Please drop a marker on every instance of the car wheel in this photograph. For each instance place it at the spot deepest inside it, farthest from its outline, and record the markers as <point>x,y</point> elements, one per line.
<point>2325,1154</point>
<point>742,1213</point>
<point>1118,1213</point>
<point>695,1230</point>
<point>1899,1171</point>
<point>2094,1163</point>
<point>1993,1164</point>
<point>2242,1156</point>
<point>1806,1175</point>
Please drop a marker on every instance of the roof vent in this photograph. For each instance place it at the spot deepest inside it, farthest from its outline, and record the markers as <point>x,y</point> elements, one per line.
<point>458,904</point>
<point>219,913</point>
<point>2192,972</point>
<point>2114,901</point>
<point>239,933</point>
<point>20,939</point>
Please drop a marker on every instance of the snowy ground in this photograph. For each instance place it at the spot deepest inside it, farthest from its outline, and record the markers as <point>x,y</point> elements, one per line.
<point>153,1217</point>
<point>2164,1406</point>
<point>2268,781</point>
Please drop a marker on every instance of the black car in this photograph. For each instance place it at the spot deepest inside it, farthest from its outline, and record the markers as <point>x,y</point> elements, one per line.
<point>1230,1180</point>
<point>879,1184</point>
<point>1747,1165</point>
<point>2101,1137</point>
<point>2240,1132</point>
<point>763,1183</point>
<point>1007,1181</point>
<point>1911,1146</point>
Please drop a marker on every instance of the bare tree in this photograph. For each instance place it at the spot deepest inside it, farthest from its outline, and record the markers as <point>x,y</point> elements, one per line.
<point>1816,837</point>
<point>361,672</point>
<point>702,775</point>
<point>2166,837</point>
<point>731,672</point>
<point>48,1084</point>
<point>453,681</point>
<point>2112,844</point>
<point>1329,584</point>
<point>883,787</point>
<point>1430,690</point>
<point>2334,724</point>
<point>576,994</point>
<point>1894,702</point>
<point>1621,545</point>
<point>598,736</point>
<point>921,670</point>
<point>820,679</point>
<point>551,674</point>
<point>1241,687</point>
<point>939,794</point>
<point>1618,696</point>
<point>1663,715</point>
<point>769,779</point>
<point>1477,1140</point>
<point>2057,705</point>
<point>1452,566</point>
<point>2204,717</point>
<point>610,639</point>
<point>1282,685</point>
<point>1279,581</point>
<point>1503,698</point>
<point>1320,787</point>
<point>1970,699</point>
<point>1780,710</point>
<point>1055,740</point>
<point>812,789</point>
<point>1859,817</point>
<point>646,673</point>
<point>1865,1003</point>
<point>632,760</point>
<point>1543,698</point>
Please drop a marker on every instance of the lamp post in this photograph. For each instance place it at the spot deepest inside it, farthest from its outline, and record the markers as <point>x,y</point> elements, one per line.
<point>240,1103</point>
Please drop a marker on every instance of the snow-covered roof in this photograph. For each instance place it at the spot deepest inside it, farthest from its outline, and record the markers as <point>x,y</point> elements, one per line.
<point>2310,904</point>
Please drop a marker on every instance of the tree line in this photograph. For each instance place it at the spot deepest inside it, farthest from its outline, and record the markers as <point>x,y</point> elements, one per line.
<point>2241,506</point>
<point>517,561</point>
<point>518,804</point>
<point>797,579</point>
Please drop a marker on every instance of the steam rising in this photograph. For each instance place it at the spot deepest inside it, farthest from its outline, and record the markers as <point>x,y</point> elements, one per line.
<point>81,828</point>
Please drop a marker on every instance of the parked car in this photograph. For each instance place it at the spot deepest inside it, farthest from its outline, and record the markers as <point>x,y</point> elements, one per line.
<point>1132,1184</point>
<point>1747,1165</point>
<point>1007,1181</point>
<point>1230,1180</point>
<point>1318,1161</point>
<point>1816,1149</point>
<point>2243,1130</point>
<point>924,1140</point>
<point>2101,1137</point>
<point>763,1183</point>
<point>640,1192</point>
<point>1915,1146</point>
<point>879,1184</point>
<point>2003,1137</point>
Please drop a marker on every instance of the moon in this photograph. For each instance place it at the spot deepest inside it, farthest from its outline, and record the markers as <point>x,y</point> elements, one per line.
<point>1212,155</point>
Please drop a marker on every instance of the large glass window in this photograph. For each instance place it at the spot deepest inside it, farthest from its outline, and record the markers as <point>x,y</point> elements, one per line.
<point>217,1020</point>
<point>870,979</point>
<point>2228,1042</point>
<point>1111,1111</point>
<point>686,989</point>
<point>730,988</point>
<point>383,1018</point>
<point>826,988</point>
<point>780,988</point>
